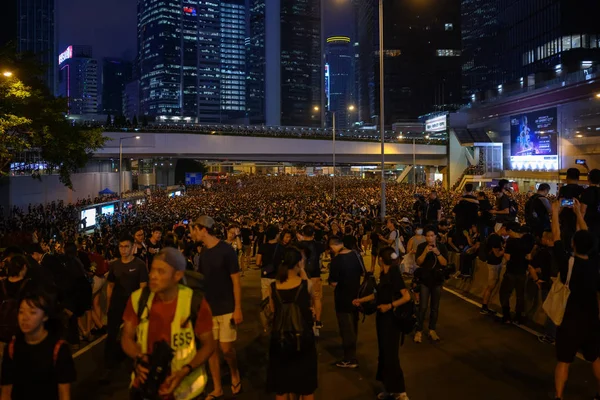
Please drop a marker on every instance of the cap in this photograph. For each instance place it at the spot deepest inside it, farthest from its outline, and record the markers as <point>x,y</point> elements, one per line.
<point>205,221</point>
<point>405,220</point>
<point>173,257</point>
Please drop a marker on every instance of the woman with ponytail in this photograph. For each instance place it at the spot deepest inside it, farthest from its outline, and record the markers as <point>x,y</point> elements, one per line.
<point>292,369</point>
<point>391,293</point>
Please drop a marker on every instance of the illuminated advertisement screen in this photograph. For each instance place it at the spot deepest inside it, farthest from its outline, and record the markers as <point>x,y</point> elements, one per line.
<point>110,209</point>
<point>193,178</point>
<point>534,140</point>
<point>90,218</point>
<point>189,11</point>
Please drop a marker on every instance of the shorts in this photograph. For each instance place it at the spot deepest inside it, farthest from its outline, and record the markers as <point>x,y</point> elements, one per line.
<point>265,285</point>
<point>223,331</point>
<point>98,284</point>
<point>494,274</point>
<point>317,288</point>
<point>572,337</point>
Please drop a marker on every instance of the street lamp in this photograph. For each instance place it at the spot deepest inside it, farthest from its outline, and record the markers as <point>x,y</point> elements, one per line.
<point>381,110</point>
<point>7,74</point>
<point>121,166</point>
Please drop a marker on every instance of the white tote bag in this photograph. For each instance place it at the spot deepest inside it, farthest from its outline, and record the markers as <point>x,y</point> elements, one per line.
<point>556,302</point>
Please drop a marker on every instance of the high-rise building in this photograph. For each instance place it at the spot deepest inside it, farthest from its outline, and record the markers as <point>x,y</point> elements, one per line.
<point>542,40</point>
<point>285,77</point>
<point>78,80</point>
<point>8,23</point>
<point>480,53</point>
<point>37,34</point>
<point>116,73</point>
<point>339,80</point>
<point>186,56</point>
<point>422,58</point>
<point>131,100</point>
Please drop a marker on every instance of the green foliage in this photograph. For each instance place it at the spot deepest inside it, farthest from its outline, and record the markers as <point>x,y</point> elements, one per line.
<point>32,119</point>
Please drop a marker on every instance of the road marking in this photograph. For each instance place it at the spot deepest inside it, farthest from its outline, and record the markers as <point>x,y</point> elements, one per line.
<point>89,346</point>
<point>476,303</point>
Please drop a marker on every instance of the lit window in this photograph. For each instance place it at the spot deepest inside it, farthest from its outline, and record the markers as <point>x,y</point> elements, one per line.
<point>448,53</point>
<point>449,27</point>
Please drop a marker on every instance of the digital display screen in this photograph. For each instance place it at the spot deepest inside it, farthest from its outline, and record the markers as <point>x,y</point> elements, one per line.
<point>534,140</point>
<point>580,161</point>
<point>110,209</point>
<point>178,193</point>
<point>189,11</point>
<point>193,178</point>
<point>89,216</point>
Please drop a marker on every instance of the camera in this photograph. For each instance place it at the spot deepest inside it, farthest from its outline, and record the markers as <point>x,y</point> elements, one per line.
<point>158,366</point>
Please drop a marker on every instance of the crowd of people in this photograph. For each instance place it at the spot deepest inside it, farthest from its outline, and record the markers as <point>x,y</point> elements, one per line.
<point>182,259</point>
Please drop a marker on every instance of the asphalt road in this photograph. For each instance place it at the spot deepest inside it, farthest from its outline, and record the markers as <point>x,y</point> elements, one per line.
<point>477,358</point>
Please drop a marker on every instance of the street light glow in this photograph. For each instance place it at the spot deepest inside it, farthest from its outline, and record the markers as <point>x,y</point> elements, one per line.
<point>316,108</point>
<point>137,137</point>
<point>598,95</point>
<point>351,108</point>
<point>7,74</point>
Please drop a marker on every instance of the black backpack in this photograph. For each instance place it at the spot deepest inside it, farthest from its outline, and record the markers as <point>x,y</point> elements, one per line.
<point>288,325</point>
<point>531,216</point>
<point>367,288</point>
<point>9,312</point>
<point>406,316</point>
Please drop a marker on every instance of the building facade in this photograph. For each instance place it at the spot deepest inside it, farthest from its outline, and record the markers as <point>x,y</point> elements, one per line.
<point>37,34</point>
<point>480,54</point>
<point>131,100</point>
<point>188,53</point>
<point>339,80</point>
<point>116,73</point>
<point>78,80</point>
<point>422,58</point>
<point>285,77</point>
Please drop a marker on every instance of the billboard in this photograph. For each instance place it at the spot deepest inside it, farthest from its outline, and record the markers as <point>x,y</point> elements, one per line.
<point>437,124</point>
<point>534,140</point>
<point>65,55</point>
<point>193,178</point>
<point>110,209</point>
<point>89,216</point>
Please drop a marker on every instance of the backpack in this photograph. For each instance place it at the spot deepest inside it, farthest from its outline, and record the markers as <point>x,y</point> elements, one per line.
<point>288,325</point>
<point>406,315</point>
<point>9,312</point>
<point>367,288</point>
<point>531,216</point>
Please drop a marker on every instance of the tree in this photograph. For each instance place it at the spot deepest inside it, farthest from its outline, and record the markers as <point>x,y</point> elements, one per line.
<point>31,119</point>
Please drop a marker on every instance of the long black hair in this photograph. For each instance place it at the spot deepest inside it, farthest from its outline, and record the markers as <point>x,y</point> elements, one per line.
<point>291,257</point>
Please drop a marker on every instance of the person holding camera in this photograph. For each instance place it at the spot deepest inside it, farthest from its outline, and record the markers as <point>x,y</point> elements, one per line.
<point>162,325</point>
<point>432,259</point>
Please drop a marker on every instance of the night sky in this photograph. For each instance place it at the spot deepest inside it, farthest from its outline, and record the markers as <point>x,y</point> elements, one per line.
<point>110,26</point>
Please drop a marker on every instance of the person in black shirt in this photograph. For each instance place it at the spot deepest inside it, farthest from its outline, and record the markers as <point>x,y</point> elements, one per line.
<point>494,254</point>
<point>518,247</point>
<point>580,328</point>
<point>313,251</point>
<point>37,364</point>
<point>539,210</point>
<point>345,272</point>
<point>467,209</point>
<point>433,212</point>
<point>502,208</point>
<point>265,259</point>
<point>590,202</point>
<point>391,293</point>
<point>542,269</point>
<point>432,259</point>
<point>485,217</point>
<point>153,244</point>
<point>572,190</point>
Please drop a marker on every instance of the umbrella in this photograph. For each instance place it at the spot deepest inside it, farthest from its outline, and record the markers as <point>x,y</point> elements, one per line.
<point>106,191</point>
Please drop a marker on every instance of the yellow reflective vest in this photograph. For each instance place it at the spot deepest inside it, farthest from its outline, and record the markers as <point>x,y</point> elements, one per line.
<point>182,341</point>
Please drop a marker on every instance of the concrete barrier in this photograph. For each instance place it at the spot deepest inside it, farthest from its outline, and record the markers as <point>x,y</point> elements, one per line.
<point>477,284</point>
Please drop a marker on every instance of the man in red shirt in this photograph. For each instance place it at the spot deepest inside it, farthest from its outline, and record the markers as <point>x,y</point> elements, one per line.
<point>166,304</point>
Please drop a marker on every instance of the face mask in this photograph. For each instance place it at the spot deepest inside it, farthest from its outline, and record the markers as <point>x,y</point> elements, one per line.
<point>419,231</point>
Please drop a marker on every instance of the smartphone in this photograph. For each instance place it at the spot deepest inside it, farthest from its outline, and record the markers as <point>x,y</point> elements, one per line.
<point>567,203</point>
<point>580,161</point>
<point>185,221</point>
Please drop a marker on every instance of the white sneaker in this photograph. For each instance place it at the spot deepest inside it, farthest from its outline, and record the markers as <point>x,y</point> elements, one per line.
<point>418,337</point>
<point>434,336</point>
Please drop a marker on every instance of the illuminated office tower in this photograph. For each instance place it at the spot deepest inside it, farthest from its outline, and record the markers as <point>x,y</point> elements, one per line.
<point>188,52</point>
<point>37,34</point>
<point>339,82</point>
<point>285,64</point>
<point>78,80</point>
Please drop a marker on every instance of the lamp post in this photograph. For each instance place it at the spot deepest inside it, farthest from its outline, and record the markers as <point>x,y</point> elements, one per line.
<point>121,166</point>
<point>7,74</point>
<point>381,110</point>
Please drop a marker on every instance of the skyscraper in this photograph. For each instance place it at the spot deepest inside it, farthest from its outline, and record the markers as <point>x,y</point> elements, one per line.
<point>285,51</point>
<point>8,23</point>
<point>188,52</point>
<point>339,79</point>
<point>78,80</point>
<point>422,49</point>
<point>116,73</point>
<point>37,34</point>
<point>481,53</point>
<point>540,40</point>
